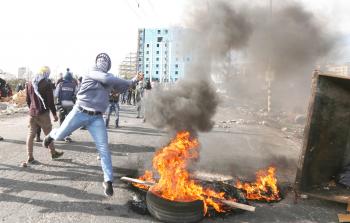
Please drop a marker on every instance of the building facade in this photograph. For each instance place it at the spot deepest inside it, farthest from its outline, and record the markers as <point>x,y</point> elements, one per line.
<point>160,55</point>
<point>128,67</point>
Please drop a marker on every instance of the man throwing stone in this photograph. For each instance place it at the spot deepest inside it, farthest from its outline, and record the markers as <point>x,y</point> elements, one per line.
<point>92,102</point>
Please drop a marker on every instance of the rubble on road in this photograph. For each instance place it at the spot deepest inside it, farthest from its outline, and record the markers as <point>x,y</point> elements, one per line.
<point>290,123</point>
<point>19,98</point>
<point>15,104</point>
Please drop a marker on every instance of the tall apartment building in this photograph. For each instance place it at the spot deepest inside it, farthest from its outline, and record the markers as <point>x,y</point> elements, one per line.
<point>159,54</point>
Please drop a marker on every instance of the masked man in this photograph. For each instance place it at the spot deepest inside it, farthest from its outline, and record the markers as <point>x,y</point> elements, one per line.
<point>40,102</point>
<point>92,102</point>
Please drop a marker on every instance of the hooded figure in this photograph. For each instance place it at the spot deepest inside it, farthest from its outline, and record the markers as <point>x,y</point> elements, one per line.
<point>92,102</point>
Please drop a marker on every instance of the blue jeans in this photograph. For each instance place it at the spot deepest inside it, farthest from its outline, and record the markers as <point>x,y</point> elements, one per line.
<point>97,129</point>
<point>112,107</point>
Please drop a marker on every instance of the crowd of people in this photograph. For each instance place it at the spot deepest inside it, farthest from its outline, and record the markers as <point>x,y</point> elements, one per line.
<point>84,103</point>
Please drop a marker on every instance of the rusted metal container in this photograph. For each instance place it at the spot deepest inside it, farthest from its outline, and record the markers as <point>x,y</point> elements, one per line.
<point>326,146</point>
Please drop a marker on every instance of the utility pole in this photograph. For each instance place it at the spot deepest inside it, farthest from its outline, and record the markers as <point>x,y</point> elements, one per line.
<point>269,74</point>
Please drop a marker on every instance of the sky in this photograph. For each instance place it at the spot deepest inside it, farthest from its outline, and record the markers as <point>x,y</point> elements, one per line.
<point>70,33</point>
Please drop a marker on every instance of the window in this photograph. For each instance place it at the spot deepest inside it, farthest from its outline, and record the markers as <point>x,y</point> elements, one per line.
<point>176,66</point>
<point>146,71</point>
<point>139,65</point>
<point>157,52</point>
<point>176,72</point>
<point>140,59</point>
<point>176,58</point>
<point>164,72</point>
<point>166,45</point>
<point>157,65</point>
<point>147,52</point>
<point>157,59</point>
<point>188,59</point>
<point>165,52</point>
<point>166,31</point>
<point>159,39</point>
<point>158,31</point>
<point>147,59</point>
<point>147,65</point>
<point>157,44</point>
<point>156,72</point>
<point>147,45</point>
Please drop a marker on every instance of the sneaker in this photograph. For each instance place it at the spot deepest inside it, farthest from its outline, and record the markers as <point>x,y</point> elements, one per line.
<point>47,141</point>
<point>83,128</point>
<point>56,155</point>
<point>68,139</point>
<point>1,138</point>
<point>108,188</point>
<point>38,140</point>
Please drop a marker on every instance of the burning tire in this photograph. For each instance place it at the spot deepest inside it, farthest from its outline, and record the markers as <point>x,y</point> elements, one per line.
<point>174,211</point>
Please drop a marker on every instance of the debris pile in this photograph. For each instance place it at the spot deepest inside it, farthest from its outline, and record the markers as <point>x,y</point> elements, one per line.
<point>15,104</point>
<point>19,98</point>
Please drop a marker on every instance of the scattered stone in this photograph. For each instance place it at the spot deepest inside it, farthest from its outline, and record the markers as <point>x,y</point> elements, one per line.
<point>304,196</point>
<point>284,129</point>
<point>300,119</point>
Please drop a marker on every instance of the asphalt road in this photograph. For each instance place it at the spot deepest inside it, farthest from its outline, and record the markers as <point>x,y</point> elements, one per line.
<point>70,189</point>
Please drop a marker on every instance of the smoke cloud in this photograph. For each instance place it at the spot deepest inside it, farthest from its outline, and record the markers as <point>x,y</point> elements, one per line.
<point>192,102</point>
<point>221,37</point>
<point>289,42</point>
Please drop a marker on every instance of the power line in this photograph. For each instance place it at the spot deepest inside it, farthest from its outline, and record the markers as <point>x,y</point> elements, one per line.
<point>131,8</point>
<point>141,8</point>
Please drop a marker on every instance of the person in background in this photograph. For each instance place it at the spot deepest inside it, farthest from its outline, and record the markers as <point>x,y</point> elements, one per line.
<point>139,101</point>
<point>146,92</point>
<point>9,90</point>
<point>40,102</point>
<point>59,80</point>
<point>19,87</point>
<point>113,107</point>
<point>66,94</point>
<point>124,97</point>
<point>129,96</point>
<point>92,102</point>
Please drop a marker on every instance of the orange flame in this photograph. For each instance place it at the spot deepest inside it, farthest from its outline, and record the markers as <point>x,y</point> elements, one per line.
<point>175,184</point>
<point>265,187</point>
